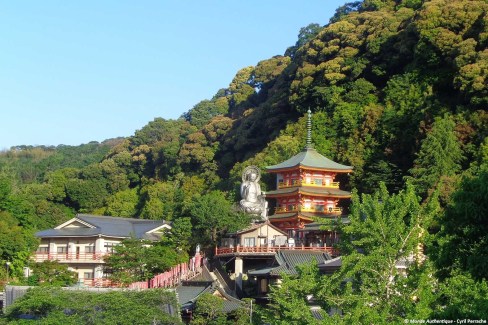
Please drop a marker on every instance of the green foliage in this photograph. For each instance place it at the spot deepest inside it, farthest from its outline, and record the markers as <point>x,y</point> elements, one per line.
<point>462,297</point>
<point>86,195</point>
<point>212,215</point>
<point>123,204</point>
<point>462,241</point>
<point>180,235</point>
<point>158,201</point>
<point>52,274</point>
<point>56,306</point>
<point>32,163</point>
<point>290,300</point>
<point>204,111</point>
<point>209,310</point>
<point>305,35</point>
<point>12,238</point>
<point>139,260</point>
<point>384,229</point>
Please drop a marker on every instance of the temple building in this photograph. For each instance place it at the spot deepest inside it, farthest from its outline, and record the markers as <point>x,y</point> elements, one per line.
<point>306,194</point>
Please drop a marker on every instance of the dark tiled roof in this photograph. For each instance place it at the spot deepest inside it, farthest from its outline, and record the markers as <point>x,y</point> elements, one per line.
<point>325,224</point>
<point>108,226</point>
<point>288,260</point>
<point>335,262</point>
<point>309,157</point>
<point>187,294</point>
<point>310,190</point>
<point>230,303</point>
<point>256,226</point>
<point>283,215</point>
<point>318,313</point>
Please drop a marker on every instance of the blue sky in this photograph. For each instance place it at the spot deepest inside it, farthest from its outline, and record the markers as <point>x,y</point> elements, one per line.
<point>72,72</point>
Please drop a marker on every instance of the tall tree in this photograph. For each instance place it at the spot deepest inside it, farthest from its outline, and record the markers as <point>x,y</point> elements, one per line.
<point>440,155</point>
<point>212,215</point>
<point>462,242</point>
<point>384,231</point>
<point>139,260</point>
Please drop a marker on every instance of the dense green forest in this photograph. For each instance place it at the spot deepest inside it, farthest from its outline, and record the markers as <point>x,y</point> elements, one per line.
<point>398,89</point>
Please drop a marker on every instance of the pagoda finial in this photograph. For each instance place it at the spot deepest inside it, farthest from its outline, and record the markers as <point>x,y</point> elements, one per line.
<point>309,130</point>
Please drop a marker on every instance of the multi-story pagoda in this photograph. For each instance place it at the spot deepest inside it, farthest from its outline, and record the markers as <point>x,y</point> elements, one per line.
<point>306,191</point>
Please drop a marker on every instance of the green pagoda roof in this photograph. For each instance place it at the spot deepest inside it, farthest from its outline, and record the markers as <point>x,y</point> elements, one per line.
<point>309,190</point>
<point>310,158</point>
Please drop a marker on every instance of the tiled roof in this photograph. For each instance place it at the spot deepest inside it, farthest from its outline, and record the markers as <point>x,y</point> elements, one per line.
<point>288,260</point>
<point>318,313</point>
<point>308,215</point>
<point>108,226</point>
<point>309,157</point>
<point>335,262</point>
<point>321,191</point>
<point>256,226</point>
<point>187,294</point>
<point>325,225</point>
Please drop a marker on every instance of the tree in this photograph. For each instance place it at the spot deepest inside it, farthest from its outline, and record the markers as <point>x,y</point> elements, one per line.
<point>384,230</point>
<point>123,204</point>
<point>290,301</point>
<point>305,34</point>
<point>57,306</point>
<point>158,201</point>
<point>180,235</point>
<point>52,273</point>
<point>139,260</point>
<point>212,215</point>
<point>440,155</point>
<point>204,111</point>
<point>209,310</point>
<point>462,242</point>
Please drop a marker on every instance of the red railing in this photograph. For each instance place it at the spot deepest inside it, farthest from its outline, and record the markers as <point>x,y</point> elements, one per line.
<point>174,276</point>
<point>272,249</point>
<point>72,257</point>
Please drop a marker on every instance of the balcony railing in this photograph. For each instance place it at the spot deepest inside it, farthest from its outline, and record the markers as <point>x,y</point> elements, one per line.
<point>298,182</point>
<point>272,249</point>
<point>70,257</point>
<point>321,209</point>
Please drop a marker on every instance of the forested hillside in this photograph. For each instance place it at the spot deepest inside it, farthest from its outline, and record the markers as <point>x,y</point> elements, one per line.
<point>398,89</point>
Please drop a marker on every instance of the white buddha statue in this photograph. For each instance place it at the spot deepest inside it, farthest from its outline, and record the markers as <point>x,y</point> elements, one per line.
<point>253,201</point>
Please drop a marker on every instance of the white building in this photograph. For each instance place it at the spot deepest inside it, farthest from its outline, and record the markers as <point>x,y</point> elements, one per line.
<point>83,241</point>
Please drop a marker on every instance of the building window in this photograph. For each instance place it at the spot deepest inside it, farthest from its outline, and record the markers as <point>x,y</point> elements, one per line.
<point>88,275</point>
<point>43,250</point>
<point>319,208</point>
<point>89,249</point>
<point>109,247</point>
<point>62,249</point>
<point>317,181</point>
<point>249,242</point>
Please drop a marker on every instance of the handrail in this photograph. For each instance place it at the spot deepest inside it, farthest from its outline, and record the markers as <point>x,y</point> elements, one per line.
<point>298,182</point>
<point>98,256</point>
<point>301,208</point>
<point>272,249</point>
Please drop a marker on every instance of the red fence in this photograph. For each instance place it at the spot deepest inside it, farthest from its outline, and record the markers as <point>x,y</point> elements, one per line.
<point>86,257</point>
<point>272,249</point>
<point>171,278</point>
